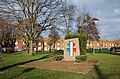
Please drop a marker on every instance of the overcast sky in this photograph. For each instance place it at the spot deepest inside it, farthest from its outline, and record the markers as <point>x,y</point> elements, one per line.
<point>107,11</point>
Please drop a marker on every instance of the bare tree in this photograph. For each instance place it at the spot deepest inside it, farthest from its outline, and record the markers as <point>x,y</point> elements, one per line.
<point>86,24</point>
<point>50,43</point>
<point>7,34</point>
<point>54,35</point>
<point>67,19</point>
<point>37,41</point>
<point>39,15</point>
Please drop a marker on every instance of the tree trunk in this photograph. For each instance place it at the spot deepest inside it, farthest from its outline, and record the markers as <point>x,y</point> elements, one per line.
<point>54,46</point>
<point>43,47</point>
<point>31,47</point>
<point>36,46</point>
<point>50,49</point>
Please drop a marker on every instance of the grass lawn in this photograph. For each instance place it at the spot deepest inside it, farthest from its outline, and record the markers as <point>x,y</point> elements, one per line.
<point>18,57</point>
<point>108,68</point>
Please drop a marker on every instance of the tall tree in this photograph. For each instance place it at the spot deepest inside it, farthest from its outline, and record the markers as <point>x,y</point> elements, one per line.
<point>87,24</point>
<point>67,20</point>
<point>39,15</point>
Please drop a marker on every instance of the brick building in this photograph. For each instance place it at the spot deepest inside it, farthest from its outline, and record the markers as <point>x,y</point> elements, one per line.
<point>40,45</point>
<point>100,44</point>
<point>19,44</point>
<point>59,44</point>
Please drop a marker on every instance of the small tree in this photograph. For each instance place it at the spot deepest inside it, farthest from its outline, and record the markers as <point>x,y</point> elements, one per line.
<point>7,34</point>
<point>54,35</point>
<point>50,43</point>
<point>39,40</point>
<point>87,24</point>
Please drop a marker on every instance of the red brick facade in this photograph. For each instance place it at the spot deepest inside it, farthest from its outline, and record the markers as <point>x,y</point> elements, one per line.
<point>38,46</point>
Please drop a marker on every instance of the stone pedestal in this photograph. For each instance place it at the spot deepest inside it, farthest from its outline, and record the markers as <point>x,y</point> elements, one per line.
<point>71,49</point>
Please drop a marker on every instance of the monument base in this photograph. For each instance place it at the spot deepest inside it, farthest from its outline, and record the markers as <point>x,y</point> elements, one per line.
<point>69,59</point>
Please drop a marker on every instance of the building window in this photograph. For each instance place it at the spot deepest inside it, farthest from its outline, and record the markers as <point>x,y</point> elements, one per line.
<point>97,44</point>
<point>112,44</point>
<point>58,43</point>
<point>39,43</point>
<point>90,44</point>
<point>46,48</point>
<point>45,43</point>
<point>87,44</point>
<point>16,48</point>
<point>103,44</point>
<point>23,43</point>
<point>16,43</point>
<point>58,48</point>
<point>34,49</point>
<point>106,44</point>
<point>39,48</point>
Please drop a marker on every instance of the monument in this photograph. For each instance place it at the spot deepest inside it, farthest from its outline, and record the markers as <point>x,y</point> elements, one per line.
<point>71,49</point>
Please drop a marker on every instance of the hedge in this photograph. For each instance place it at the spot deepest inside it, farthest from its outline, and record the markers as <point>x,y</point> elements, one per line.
<point>81,58</point>
<point>57,58</point>
<point>103,50</point>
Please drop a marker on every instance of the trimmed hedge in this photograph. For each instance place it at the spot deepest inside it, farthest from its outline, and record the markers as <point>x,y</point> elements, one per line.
<point>59,52</point>
<point>81,58</point>
<point>57,58</point>
<point>82,41</point>
<point>103,50</point>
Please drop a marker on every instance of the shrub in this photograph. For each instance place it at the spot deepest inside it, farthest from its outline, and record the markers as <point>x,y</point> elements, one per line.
<point>1,59</point>
<point>57,58</point>
<point>10,50</point>
<point>81,58</point>
<point>103,50</point>
<point>58,52</point>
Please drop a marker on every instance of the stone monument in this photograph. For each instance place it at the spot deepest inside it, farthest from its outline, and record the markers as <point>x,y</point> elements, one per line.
<point>71,49</point>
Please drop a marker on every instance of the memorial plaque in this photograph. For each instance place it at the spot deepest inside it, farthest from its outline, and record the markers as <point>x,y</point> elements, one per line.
<point>71,49</point>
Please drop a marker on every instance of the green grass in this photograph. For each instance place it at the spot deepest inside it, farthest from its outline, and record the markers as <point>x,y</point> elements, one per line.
<point>18,57</point>
<point>108,68</point>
